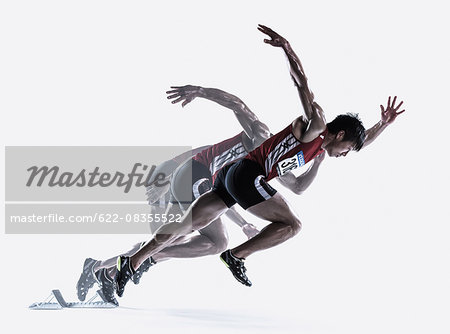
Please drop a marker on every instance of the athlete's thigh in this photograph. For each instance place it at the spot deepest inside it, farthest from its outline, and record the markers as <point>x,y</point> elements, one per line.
<point>275,209</point>
<point>205,209</point>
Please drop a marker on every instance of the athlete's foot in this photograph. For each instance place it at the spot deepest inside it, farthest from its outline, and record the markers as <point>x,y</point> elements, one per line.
<point>236,267</point>
<point>123,274</point>
<point>107,285</point>
<point>87,279</point>
<point>144,267</point>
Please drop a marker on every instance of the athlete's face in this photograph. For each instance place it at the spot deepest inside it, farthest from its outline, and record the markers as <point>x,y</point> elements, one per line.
<point>338,147</point>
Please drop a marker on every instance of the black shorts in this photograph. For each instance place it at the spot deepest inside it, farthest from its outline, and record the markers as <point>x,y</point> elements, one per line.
<point>189,181</point>
<point>243,183</point>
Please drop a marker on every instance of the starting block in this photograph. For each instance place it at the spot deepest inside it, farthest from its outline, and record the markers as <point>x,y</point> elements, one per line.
<point>56,302</point>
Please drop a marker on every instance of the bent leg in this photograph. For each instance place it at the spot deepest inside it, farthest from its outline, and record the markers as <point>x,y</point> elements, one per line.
<point>284,225</point>
<point>203,211</point>
<point>111,263</point>
<point>213,239</point>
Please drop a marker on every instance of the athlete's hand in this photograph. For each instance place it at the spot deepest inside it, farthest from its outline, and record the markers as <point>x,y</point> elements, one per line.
<point>186,93</point>
<point>250,230</point>
<point>391,112</point>
<point>276,39</point>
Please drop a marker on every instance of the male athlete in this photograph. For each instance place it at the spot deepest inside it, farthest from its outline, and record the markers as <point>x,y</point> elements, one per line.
<point>199,173</point>
<point>245,182</point>
<point>192,178</point>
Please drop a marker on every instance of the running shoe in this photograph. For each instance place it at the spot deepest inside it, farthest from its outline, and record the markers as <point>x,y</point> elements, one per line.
<point>236,267</point>
<point>123,274</point>
<point>87,279</point>
<point>107,286</point>
<point>144,267</point>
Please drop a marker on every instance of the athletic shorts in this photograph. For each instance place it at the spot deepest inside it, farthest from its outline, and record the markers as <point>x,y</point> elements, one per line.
<point>243,183</point>
<point>189,181</point>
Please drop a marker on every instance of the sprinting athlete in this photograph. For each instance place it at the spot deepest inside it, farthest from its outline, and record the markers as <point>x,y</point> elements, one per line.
<point>245,182</point>
<point>200,172</point>
<point>192,178</point>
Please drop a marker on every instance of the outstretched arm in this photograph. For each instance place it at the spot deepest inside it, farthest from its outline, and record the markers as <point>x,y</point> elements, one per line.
<point>295,68</point>
<point>314,113</point>
<point>243,114</point>
<point>249,229</point>
<point>300,183</point>
<point>388,116</point>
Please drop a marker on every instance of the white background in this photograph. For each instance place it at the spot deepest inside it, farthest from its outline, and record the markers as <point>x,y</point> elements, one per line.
<point>373,254</point>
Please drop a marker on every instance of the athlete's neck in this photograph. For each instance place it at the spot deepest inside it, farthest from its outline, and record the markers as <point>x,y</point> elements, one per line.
<point>327,140</point>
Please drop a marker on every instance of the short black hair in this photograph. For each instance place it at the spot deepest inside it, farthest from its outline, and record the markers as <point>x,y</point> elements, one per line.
<point>353,127</point>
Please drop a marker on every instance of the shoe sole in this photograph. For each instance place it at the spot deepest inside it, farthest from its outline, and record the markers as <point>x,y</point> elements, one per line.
<point>84,277</point>
<point>237,279</point>
<point>113,300</point>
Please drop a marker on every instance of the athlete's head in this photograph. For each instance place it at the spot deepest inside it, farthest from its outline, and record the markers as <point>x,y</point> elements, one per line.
<point>261,133</point>
<point>345,133</point>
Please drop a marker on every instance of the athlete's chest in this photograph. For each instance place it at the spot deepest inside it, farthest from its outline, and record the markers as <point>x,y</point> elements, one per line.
<point>288,164</point>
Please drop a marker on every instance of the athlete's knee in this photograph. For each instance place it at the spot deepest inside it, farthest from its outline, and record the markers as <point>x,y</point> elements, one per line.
<point>162,238</point>
<point>169,232</point>
<point>200,222</point>
<point>220,245</point>
<point>295,226</point>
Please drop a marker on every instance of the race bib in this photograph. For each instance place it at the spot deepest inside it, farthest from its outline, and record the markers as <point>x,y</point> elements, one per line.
<point>289,164</point>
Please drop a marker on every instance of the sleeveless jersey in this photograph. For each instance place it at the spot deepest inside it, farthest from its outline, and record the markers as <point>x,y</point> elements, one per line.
<point>282,153</point>
<point>221,154</point>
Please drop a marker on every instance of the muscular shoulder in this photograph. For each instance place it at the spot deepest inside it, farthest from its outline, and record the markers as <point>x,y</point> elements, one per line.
<point>306,131</point>
<point>299,126</point>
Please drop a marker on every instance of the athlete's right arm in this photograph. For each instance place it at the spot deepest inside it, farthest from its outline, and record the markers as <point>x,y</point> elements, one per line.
<point>249,229</point>
<point>300,183</point>
<point>243,114</point>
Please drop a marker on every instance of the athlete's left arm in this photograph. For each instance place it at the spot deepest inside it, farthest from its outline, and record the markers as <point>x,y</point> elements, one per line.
<point>313,112</point>
<point>249,229</point>
<point>388,116</point>
<point>295,68</point>
<point>252,126</point>
<point>300,183</point>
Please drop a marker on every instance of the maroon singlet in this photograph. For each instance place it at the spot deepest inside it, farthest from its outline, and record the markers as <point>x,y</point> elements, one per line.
<point>283,152</point>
